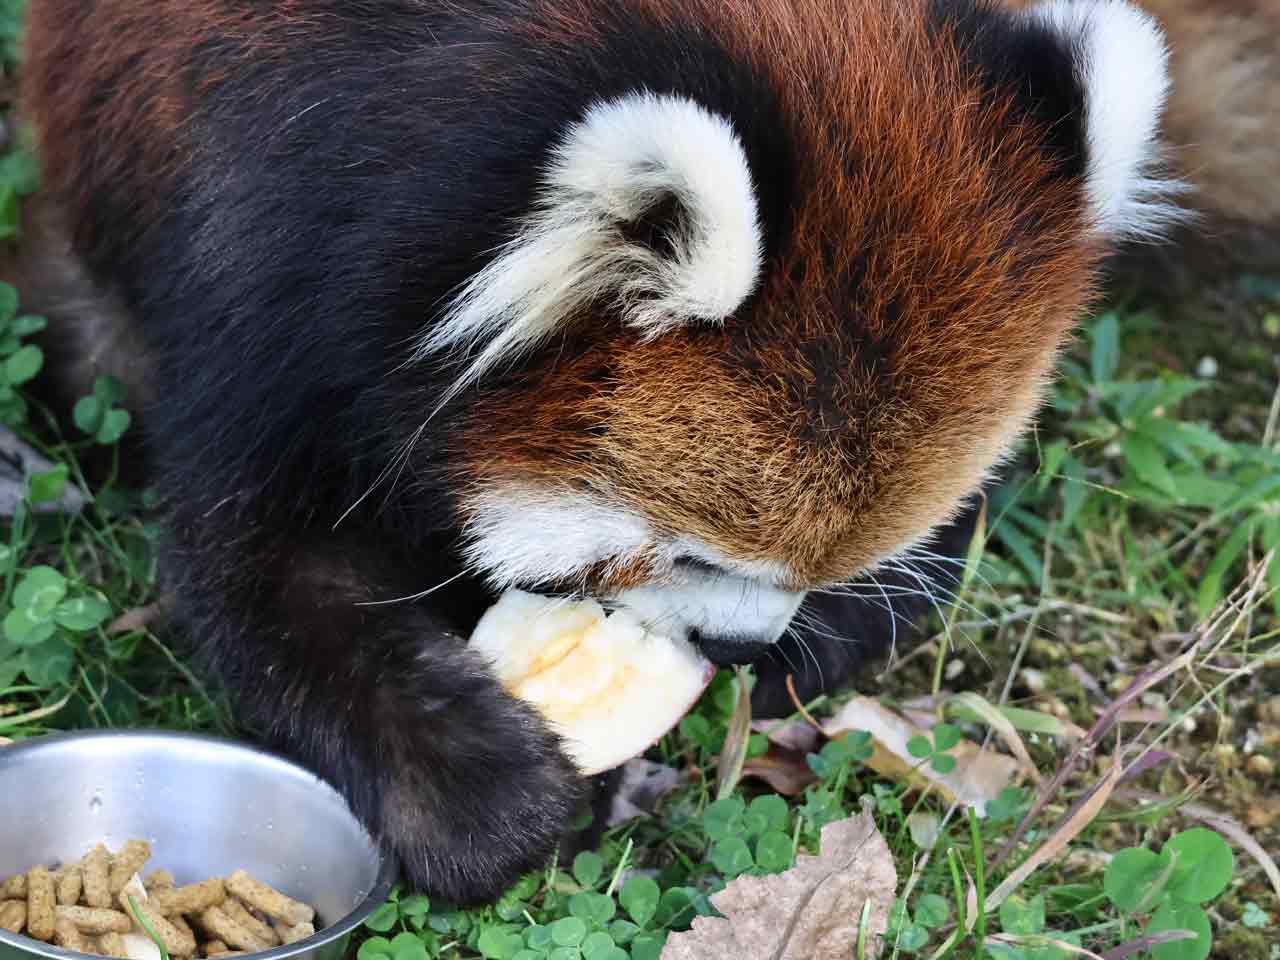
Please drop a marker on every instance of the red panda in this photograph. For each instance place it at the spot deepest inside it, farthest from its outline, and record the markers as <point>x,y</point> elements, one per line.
<point>699,307</point>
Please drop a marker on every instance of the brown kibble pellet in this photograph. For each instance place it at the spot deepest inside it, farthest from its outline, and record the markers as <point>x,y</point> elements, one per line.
<point>70,885</point>
<point>193,898</point>
<point>233,916</point>
<point>180,922</point>
<point>267,899</point>
<point>240,914</point>
<point>158,880</point>
<point>218,923</point>
<point>95,869</point>
<point>13,915</point>
<point>112,945</point>
<point>95,920</point>
<point>175,941</point>
<point>130,860</point>
<point>40,904</point>
<point>299,931</point>
<point>67,936</point>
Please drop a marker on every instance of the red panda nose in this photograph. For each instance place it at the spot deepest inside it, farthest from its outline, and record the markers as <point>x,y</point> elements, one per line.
<point>725,650</point>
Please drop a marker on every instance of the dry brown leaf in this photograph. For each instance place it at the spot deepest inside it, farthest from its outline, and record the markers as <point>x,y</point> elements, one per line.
<point>810,912</point>
<point>138,618</point>
<point>737,738</point>
<point>977,779</point>
<point>1083,813</point>
<point>797,735</point>
<point>784,770</point>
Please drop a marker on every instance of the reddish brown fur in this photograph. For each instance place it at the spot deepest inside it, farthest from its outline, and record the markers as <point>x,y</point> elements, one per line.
<point>815,430</point>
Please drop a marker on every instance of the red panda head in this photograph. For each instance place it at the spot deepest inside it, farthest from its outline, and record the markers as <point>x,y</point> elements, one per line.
<point>768,376</point>
<point>718,301</point>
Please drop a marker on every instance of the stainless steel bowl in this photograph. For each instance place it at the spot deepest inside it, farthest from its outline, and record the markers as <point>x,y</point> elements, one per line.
<point>208,807</point>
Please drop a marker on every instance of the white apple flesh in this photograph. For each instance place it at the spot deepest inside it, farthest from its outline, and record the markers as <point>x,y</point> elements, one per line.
<point>609,687</point>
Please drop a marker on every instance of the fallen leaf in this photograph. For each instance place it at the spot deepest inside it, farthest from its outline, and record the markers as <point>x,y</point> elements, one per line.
<point>17,463</point>
<point>978,706</point>
<point>34,715</point>
<point>924,827</point>
<point>1082,813</point>
<point>784,770</point>
<point>139,618</point>
<point>644,784</point>
<point>810,912</point>
<point>797,735</point>
<point>977,779</point>
<point>736,740</point>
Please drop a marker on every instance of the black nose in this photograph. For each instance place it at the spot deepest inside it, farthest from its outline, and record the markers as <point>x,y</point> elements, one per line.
<point>728,651</point>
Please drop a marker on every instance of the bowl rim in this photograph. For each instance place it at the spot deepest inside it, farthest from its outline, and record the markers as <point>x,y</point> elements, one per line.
<point>388,867</point>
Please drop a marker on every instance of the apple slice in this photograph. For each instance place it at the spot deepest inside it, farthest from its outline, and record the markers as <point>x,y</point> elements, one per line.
<point>606,685</point>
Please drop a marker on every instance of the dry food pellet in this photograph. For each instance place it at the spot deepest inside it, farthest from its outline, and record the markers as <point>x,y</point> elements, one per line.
<point>95,920</point>
<point>40,903</point>
<point>13,915</point>
<point>180,922</point>
<point>130,860</point>
<point>70,883</point>
<point>193,898</point>
<point>295,933</point>
<point>95,867</point>
<point>267,899</point>
<point>175,941</point>
<point>237,912</point>
<point>112,945</point>
<point>219,924</point>
<point>62,905</point>
<point>67,936</point>
<point>158,880</point>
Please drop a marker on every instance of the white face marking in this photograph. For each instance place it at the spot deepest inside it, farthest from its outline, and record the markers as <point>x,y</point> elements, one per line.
<point>713,604</point>
<point>1123,59</point>
<point>624,156</point>
<point>529,536</point>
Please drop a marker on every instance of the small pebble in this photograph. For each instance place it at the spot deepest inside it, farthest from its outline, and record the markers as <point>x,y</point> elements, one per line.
<point>1261,765</point>
<point>1269,710</point>
<point>1034,680</point>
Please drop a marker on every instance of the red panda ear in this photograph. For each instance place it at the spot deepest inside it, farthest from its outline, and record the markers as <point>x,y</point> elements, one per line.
<point>1120,59</point>
<point>647,207</point>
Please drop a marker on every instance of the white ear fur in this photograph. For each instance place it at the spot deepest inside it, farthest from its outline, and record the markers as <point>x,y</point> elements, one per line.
<point>621,159</point>
<point>1122,60</point>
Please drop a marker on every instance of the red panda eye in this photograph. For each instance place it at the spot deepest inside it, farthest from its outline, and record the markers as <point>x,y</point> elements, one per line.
<point>699,565</point>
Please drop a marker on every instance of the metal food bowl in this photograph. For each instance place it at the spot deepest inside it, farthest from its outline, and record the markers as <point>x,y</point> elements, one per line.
<point>207,806</point>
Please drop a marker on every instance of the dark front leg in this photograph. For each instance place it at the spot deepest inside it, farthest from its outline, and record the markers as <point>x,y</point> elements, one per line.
<point>465,783</point>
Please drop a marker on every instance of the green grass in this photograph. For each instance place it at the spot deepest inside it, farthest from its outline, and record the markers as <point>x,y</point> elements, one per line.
<point>1147,493</point>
